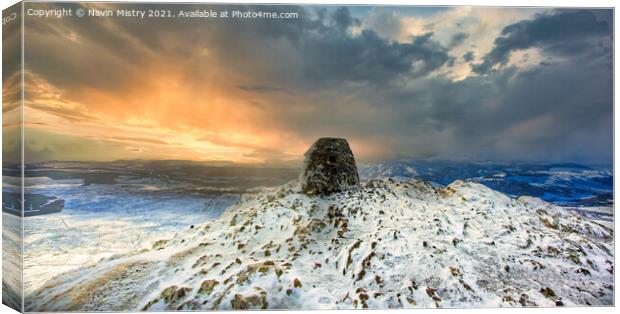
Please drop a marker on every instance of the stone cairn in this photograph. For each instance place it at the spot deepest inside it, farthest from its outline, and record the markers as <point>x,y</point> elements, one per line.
<point>329,167</point>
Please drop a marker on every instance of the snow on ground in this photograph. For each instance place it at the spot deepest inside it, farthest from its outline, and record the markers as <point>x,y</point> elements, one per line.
<point>100,221</point>
<point>603,215</point>
<point>387,245</point>
<point>61,242</point>
<point>11,260</point>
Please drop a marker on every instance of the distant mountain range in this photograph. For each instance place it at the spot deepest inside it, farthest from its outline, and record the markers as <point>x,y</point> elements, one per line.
<point>565,184</point>
<point>561,183</point>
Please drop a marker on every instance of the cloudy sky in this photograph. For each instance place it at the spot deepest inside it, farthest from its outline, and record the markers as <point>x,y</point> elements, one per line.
<point>491,84</point>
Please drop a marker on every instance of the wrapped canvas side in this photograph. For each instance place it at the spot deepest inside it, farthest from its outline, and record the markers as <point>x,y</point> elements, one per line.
<point>12,161</point>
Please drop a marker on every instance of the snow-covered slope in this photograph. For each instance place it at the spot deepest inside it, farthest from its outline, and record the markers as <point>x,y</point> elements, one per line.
<point>386,245</point>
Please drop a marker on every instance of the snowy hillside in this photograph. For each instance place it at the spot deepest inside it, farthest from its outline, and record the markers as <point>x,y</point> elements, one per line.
<point>386,245</point>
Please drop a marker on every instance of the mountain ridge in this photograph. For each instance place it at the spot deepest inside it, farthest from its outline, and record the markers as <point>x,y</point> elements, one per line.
<point>386,244</point>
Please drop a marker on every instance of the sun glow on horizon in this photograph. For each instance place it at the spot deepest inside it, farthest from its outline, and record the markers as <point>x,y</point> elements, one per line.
<point>453,83</point>
<point>163,122</point>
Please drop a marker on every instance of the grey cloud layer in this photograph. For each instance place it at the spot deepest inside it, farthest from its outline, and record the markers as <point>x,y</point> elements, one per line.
<point>563,33</point>
<point>327,75</point>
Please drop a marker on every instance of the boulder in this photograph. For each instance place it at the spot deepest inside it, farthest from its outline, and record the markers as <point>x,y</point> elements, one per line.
<point>329,167</point>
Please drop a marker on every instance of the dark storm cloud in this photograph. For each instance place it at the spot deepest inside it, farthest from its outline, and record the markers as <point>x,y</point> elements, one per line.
<point>328,75</point>
<point>468,56</point>
<point>107,52</point>
<point>330,52</point>
<point>562,32</point>
<point>546,114</point>
<point>457,39</point>
<point>370,58</point>
<point>71,52</point>
<point>343,19</point>
<point>559,111</point>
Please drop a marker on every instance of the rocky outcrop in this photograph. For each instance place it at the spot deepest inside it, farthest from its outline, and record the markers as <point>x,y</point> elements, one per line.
<point>329,167</point>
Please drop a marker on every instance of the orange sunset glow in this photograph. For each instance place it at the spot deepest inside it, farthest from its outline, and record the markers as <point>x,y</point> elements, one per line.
<point>406,85</point>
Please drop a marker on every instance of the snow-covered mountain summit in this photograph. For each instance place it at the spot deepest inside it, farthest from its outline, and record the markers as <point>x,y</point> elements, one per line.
<point>384,244</point>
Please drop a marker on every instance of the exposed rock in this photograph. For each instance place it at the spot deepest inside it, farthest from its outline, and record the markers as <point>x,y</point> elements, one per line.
<point>329,167</point>
<point>207,286</point>
<point>249,302</point>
